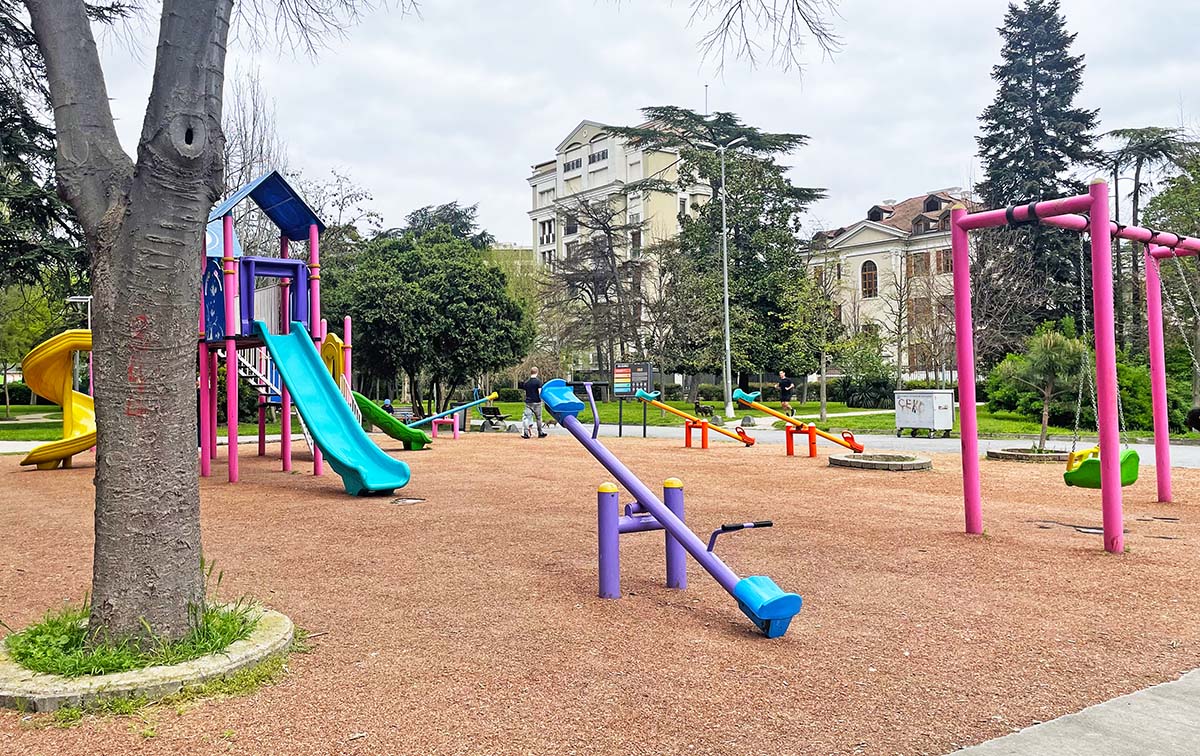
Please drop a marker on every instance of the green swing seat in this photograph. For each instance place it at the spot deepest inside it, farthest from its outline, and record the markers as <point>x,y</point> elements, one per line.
<point>1087,473</point>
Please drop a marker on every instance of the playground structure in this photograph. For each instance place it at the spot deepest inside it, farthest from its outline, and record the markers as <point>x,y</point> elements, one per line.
<point>275,350</point>
<point>49,372</point>
<point>691,422</point>
<point>795,427</point>
<point>759,598</point>
<point>1106,467</point>
<point>451,415</point>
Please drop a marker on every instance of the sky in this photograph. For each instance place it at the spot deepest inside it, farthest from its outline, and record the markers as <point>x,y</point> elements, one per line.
<point>458,102</point>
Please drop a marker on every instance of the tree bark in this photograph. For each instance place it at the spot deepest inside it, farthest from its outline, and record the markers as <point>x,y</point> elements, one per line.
<point>144,231</point>
<point>824,385</point>
<point>1045,421</point>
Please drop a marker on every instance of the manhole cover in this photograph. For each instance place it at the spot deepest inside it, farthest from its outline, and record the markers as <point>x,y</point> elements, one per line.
<point>403,502</point>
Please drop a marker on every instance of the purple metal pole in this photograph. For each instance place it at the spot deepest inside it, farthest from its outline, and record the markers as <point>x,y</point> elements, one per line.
<point>676,556</point>
<point>285,396</point>
<point>964,339</point>
<point>202,398</point>
<point>609,538</point>
<point>1158,377</point>
<point>314,292</point>
<point>720,571</point>
<point>231,372</point>
<point>1106,369</point>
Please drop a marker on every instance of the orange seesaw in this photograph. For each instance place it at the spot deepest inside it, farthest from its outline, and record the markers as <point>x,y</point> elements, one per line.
<point>691,421</point>
<point>796,427</point>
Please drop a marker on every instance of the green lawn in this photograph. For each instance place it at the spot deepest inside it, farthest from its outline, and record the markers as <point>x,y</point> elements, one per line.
<point>654,416</point>
<point>48,431</point>
<point>16,410</point>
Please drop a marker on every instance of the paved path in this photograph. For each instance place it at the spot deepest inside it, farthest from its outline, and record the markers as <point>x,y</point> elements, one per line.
<point>1163,720</point>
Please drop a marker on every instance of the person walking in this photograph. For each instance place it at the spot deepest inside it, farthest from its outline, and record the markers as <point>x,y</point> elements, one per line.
<point>533,404</point>
<point>786,387</point>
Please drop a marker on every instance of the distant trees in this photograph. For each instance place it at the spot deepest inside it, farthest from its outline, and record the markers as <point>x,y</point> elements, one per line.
<point>427,306</point>
<point>1032,137</point>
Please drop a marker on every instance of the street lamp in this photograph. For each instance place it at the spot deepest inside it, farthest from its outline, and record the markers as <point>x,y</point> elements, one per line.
<point>88,302</point>
<point>721,149</point>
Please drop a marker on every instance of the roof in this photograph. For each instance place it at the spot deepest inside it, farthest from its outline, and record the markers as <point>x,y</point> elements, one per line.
<point>214,240</point>
<point>900,215</point>
<point>279,202</point>
<point>584,123</point>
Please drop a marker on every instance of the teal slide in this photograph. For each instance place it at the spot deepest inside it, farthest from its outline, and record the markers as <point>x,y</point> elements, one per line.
<point>364,467</point>
<point>414,439</point>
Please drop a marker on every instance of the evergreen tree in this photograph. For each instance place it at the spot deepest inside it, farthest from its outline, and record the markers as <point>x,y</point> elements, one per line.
<point>1032,137</point>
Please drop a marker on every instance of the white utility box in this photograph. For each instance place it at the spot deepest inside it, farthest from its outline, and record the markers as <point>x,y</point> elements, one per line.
<point>931,410</point>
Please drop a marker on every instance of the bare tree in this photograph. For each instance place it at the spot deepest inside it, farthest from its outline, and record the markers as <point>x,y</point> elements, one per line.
<point>898,302</point>
<point>741,26</point>
<point>253,147</point>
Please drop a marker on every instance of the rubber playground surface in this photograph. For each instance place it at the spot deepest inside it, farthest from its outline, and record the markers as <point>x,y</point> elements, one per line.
<point>469,624</point>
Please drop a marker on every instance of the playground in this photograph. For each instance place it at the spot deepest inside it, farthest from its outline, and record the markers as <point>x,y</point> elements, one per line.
<point>469,622</point>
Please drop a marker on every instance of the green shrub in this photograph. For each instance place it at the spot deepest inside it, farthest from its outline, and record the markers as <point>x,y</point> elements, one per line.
<point>673,392</point>
<point>510,394</point>
<point>19,393</point>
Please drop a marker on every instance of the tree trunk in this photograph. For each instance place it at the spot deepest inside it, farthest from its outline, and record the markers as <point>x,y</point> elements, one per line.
<point>7,402</point>
<point>1195,368</point>
<point>804,389</point>
<point>144,228</point>
<point>1045,421</point>
<point>824,385</point>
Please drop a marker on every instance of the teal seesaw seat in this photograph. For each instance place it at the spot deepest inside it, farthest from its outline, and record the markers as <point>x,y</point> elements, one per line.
<point>1087,473</point>
<point>767,605</point>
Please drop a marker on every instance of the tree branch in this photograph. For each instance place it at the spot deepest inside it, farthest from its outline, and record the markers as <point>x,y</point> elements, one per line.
<point>92,167</point>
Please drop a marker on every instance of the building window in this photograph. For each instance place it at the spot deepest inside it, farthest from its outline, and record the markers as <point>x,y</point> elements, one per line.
<point>596,157</point>
<point>572,250</point>
<point>635,244</point>
<point>545,197</point>
<point>572,165</point>
<point>635,219</point>
<point>546,232</point>
<point>570,227</point>
<point>839,271</point>
<point>945,261</point>
<point>548,257</point>
<point>918,264</point>
<point>683,203</point>
<point>870,280</point>
<point>932,204</point>
<point>875,214</point>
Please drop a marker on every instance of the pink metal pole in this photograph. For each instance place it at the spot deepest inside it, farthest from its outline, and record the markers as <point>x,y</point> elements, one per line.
<point>202,398</point>
<point>262,426</point>
<point>213,365</point>
<point>965,347</point>
<point>1158,377</point>
<point>1104,328</point>
<point>346,349</point>
<point>314,288</point>
<point>231,373</point>
<point>285,396</point>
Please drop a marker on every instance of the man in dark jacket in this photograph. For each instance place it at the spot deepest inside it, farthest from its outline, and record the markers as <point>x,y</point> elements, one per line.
<point>533,404</point>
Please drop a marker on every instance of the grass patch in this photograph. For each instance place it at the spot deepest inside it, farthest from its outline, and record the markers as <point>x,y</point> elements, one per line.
<point>41,431</point>
<point>27,409</point>
<point>240,683</point>
<point>58,645</point>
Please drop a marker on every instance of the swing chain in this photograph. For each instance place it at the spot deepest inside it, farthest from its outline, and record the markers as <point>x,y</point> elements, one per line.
<point>1187,341</point>
<point>1085,373</point>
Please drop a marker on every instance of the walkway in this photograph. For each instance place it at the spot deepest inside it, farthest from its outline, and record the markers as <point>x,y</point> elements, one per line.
<point>1163,720</point>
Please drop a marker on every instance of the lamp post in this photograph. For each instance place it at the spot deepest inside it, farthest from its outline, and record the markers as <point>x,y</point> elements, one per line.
<point>88,302</point>
<point>721,149</point>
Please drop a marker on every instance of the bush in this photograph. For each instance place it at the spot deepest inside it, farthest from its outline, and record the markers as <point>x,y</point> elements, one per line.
<point>870,393</point>
<point>19,393</point>
<point>510,394</point>
<point>673,392</point>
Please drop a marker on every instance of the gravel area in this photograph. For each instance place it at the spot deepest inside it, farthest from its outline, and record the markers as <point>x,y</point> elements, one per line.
<point>469,623</point>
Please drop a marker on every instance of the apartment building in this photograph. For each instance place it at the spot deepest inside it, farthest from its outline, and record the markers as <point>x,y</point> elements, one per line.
<point>589,165</point>
<point>891,271</point>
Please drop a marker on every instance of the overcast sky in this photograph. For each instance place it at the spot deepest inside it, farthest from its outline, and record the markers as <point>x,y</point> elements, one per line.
<point>459,103</point>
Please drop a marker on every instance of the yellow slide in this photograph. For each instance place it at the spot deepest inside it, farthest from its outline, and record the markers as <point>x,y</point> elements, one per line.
<point>48,371</point>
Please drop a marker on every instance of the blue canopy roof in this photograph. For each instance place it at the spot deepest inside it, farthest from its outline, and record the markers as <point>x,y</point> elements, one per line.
<point>214,240</point>
<point>279,201</point>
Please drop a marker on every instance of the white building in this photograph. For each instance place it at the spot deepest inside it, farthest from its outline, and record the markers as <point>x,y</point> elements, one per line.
<point>892,272</point>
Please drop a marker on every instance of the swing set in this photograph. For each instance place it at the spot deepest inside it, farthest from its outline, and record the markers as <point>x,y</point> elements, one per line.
<point>1105,467</point>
